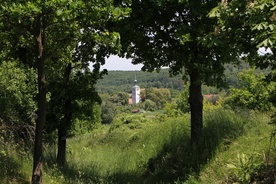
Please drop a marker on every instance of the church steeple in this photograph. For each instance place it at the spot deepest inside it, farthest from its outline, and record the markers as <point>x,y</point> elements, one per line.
<point>135,92</point>
<point>135,80</point>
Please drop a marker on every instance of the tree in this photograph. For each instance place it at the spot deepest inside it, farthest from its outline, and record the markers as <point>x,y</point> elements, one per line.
<point>179,35</point>
<point>159,96</point>
<point>252,92</point>
<point>120,98</point>
<point>18,106</point>
<point>49,31</point>
<point>183,100</point>
<point>17,91</point>
<point>30,19</point>
<point>109,111</point>
<point>251,26</point>
<point>149,105</point>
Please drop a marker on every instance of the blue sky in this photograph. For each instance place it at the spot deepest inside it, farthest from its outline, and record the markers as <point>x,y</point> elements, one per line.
<point>117,63</point>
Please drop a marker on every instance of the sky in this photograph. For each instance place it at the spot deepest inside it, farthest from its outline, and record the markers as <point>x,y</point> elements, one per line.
<point>117,63</point>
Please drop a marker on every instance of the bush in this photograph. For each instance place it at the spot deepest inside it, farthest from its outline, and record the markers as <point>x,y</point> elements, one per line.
<point>253,92</point>
<point>132,121</point>
<point>17,93</point>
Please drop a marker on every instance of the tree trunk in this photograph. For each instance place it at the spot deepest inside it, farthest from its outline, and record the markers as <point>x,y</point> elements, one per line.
<point>196,106</point>
<point>62,130</point>
<point>61,146</point>
<point>40,121</point>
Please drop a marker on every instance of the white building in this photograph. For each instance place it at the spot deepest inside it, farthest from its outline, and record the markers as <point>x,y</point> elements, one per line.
<point>135,93</point>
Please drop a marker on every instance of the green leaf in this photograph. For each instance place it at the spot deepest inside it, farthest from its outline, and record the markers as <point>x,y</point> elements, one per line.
<point>266,43</point>
<point>116,12</point>
<point>271,27</point>
<point>231,166</point>
<point>214,12</point>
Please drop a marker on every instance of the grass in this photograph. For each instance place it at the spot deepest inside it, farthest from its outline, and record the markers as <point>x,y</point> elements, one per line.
<point>240,159</point>
<point>122,155</point>
<point>156,149</point>
<point>15,165</point>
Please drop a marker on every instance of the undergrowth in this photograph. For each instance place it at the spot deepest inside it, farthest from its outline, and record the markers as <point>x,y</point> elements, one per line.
<point>248,158</point>
<point>148,148</point>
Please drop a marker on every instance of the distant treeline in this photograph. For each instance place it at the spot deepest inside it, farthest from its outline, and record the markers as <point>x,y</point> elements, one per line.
<point>122,81</point>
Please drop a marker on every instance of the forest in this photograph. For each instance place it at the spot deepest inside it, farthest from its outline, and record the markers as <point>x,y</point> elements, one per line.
<point>207,102</point>
<point>123,80</point>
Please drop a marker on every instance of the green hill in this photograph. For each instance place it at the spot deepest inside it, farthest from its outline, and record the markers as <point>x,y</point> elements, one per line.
<point>153,148</point>
<point>122,81</point>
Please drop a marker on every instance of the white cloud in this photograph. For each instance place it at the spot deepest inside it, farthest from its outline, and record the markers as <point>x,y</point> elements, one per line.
<point>117,63</point>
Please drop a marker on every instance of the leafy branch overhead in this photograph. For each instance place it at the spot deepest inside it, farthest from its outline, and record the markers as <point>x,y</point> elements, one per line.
<point>251,26</point>
<point>59,38</point>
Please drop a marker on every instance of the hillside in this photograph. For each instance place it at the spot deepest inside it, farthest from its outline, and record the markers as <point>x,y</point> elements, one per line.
<point>122,81</point>
<point>152,148</point>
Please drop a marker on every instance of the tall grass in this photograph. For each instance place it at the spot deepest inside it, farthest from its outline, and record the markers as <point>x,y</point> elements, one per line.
<point>242,155</point>
<point>156,149</point>
<point>15,165</point>
<point>137,149</point>
<point>125,154</point>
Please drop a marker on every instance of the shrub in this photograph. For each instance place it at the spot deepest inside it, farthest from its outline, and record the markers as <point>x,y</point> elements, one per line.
<point>253,92</point>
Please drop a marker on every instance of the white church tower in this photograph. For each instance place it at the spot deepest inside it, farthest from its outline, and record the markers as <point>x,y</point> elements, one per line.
<point>135,93</point>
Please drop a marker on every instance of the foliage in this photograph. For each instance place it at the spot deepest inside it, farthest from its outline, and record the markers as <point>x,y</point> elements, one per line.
<point>147,150</point>
<point>209,106</point>
<point>158,42</point>
<point>179,35</point>
<point>58,36</point>
<point>132,121</point>
<point>253,92</point>
<point>120,98</point>
<point>18,106</point>
<point>158,96</point>
<point>87,122</point>
<point>171,110</point>
<point>148,105</point>
<point>123,81</point>
<point>244,167</point>
<point>17,91</point>
<point>251,26</point>
<point>113,105</point>
<point>109,111</point>
<point>183,100</point>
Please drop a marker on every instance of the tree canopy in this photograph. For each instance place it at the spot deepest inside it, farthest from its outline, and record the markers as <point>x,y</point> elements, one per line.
<point>178,35</point>
<point>57,35</point>
<point>251,27</point>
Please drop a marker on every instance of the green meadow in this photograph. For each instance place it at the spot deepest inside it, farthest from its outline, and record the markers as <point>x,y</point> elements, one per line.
<point>237,147</point>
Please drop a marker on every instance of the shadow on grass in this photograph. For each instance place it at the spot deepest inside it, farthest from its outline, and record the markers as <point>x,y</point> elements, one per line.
<point>177,159</point>
<point>90,175</point>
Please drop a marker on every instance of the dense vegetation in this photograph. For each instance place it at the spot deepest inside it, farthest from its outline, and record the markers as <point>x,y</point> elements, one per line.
<point>123,80</point>
<point>153,148</point>
<point>212,121</point>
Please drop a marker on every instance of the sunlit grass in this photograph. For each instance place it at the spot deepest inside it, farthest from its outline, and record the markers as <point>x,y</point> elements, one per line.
<point>137,149</point>
<point>123,152</point>
<point>236,159</point>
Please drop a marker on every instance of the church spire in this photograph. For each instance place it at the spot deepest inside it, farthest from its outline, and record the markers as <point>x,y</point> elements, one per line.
<point>135,80</point>
<point>135,92</point>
